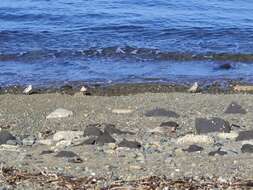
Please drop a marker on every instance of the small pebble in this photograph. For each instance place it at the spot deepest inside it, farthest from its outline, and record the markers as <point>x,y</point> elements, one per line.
<point>193,148</point>
<point>217,152</point>
<point>66,154</point>
<point>129,144</point>
<point>122,111</point>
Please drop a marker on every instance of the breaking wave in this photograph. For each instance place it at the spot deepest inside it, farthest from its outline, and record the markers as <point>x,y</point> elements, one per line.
<point>126,53</point>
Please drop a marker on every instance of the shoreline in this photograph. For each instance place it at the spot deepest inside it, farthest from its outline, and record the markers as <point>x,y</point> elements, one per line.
<point>119,89</point>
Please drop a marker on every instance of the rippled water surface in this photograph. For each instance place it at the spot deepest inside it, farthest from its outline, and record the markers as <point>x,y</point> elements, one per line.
<point>54,41</point>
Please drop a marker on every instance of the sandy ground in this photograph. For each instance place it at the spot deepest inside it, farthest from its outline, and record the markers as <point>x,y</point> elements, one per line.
<point>160,152</point>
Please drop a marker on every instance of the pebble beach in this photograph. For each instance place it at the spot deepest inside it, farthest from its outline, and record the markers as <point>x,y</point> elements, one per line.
<point>121,141</point>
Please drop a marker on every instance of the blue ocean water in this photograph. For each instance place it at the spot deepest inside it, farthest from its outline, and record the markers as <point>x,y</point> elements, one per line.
<point>56,41</point>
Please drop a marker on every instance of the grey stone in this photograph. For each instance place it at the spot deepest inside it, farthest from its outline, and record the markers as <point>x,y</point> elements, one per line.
<point>193,148</point>
<point>217,152</point>
<point>151,150</point>
<point>110,128</point>
<point>66,154</point>
<point>236,126</point>
<point>195,139</point>
<point>245,135</point>
<point>13,142</point>
<point>230,151</point>
<point>235,108</point>
<point>67,89</point>
<point>75,160</point>
<point>46,152</point>
<point>122,111</point>
<point>29,141</point>
<point>228,136</point>
<point>67,135</point>
<point>90,141</point>
<point>105,138</point>
<point>92,130</point>
<point>129,144</point>
<point>160,112</point>
<point>212,125</point>
<point>59,113</point>
<point>6,136</point>
<point>247,148</point>
<point>169,124</point>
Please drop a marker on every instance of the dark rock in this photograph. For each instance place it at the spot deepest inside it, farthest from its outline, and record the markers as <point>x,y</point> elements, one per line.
<point>47,133</point>
<point>75,160</point>
<point>6,136</point>
<point>217,152</point>
<point>236,126</point>
<point>225,66</point>
<point>105,138</point>
<point>28,156</point>
<point>247,148</point>
<point>169,124</point>
<point>245,135</point>
<point>87,93</point>
<point>235,108</point>
<point>90,141</point>
<point>213,125</point>
<point>218,144</point>
<point>129,144</point>
<point>168,127</point>
<point>92,130</point>
<point>67,89</point>
<point>160,112</point>
<point>46,152</point>
<point>66,154</point>
<point>110,128</point>
<point>7,126</point>
<point>193,148</point>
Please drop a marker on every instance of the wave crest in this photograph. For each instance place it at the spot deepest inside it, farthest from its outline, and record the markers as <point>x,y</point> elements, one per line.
<point>126,53</point>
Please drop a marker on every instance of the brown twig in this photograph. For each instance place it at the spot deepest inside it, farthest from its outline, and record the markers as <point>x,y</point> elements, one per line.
<point>14,177</point>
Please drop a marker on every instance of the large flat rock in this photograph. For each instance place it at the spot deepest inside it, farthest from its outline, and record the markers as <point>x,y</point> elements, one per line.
<point>235,108</point>
<point>245,135</point>
<point>215,124</point>
<point>59,113</point>
<point>160,112</point>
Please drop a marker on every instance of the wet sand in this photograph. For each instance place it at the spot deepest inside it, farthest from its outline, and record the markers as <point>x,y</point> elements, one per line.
<point>142,135</point>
